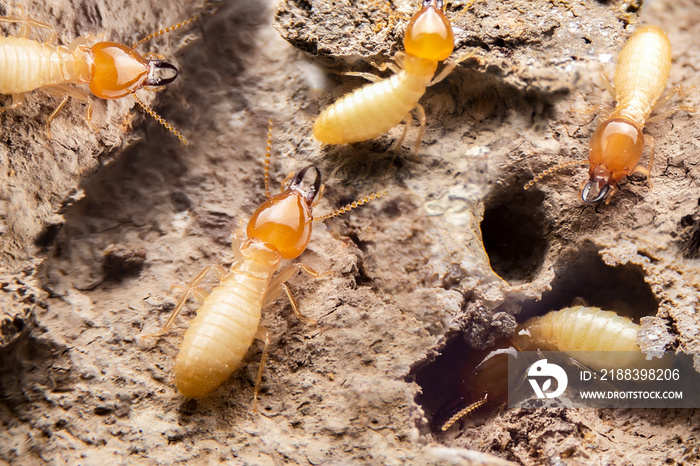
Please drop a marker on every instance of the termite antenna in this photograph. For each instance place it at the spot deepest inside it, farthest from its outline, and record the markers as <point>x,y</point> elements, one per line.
<point>172,28</point>
<point>161,120</point>
<point>268,154</point>
<point>464,412</point>
<point>551,170</point>
<point>350,206</point>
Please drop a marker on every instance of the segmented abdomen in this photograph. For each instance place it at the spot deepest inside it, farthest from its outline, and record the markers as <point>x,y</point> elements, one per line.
<point>371,110</point>
<point>642,71</point>
<point>582,328</point>
<point>585,329</point>
<point>219,337</point>
<point>26,65</point>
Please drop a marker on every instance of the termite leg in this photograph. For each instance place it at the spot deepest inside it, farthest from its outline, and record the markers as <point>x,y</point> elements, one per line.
<point>81,41</point>
<point>453,63</point>
<point>668,113</point>
<point>609,195</point>
<point>421,131</point>
<point>449,67</point>
<point>407,123</point>
<point>420,114</point>
<point>199,293</point>
<point>237,239</point>
<point>393,67</point>
<point>299,315</point>
<point>263,335</point>
<point>278,284</point>
<point>66,92</point>
<point>27,24</point>
<point>189,289</point>
<point>646,171</point>
<point>368,76</point>
<point>608,86</point>
<point>685,108</point>
<point>676,90</point>
<point>17,100</point>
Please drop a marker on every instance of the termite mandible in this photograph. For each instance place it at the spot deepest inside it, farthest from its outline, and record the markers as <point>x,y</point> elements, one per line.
<point>375,108</point>
<point>643,68</point>
<point>574,329</point>
<point>111,70</point>
<point>228,319</point>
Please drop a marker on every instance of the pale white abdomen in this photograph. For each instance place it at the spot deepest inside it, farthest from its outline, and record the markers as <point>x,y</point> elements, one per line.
<point>642,71</point>
<point>219,337</point>
<point>582,328</point>
<point>371,110</point>
<point>26,65</point>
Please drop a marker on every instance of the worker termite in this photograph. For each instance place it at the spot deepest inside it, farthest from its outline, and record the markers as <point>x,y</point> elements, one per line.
<point>228,319</point>
<point>576,329</point>
<point>375,108</point>
<point>643,68</point>
<point>111,70</point>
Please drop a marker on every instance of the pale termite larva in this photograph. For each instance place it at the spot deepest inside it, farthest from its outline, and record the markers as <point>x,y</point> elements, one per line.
<point>111,70</point>
<point>374,109</point>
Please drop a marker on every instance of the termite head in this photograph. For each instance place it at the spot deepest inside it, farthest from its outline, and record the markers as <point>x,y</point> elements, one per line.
<point>429,33</point>
<point>119,70</point>
<point>284,220</point>
<point>614,152</point>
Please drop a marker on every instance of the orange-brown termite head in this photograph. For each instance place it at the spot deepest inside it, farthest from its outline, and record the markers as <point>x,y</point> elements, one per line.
<point>119,70</point>
<point>284,221</point>
<point>429,33</point>
<point>614,152</point>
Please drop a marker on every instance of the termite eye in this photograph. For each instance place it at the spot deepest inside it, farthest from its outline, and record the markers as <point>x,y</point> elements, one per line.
<point>283,222</point>
<point>118,70</point>
<point>154,75</point>
<point>429,34</point>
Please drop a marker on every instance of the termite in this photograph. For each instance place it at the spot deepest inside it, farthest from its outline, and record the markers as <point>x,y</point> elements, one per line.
<point>375,108</point>
<point>111,70</point>
<point>229,317</point>
<point>577,329</point>
<point>643,68</point>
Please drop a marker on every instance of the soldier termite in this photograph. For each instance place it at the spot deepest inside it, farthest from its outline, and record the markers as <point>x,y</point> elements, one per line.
<point>111,70</point>
<point>375,108</point>
<point>643,68</point>
<point>484,381</point>
<point>228,319</point>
